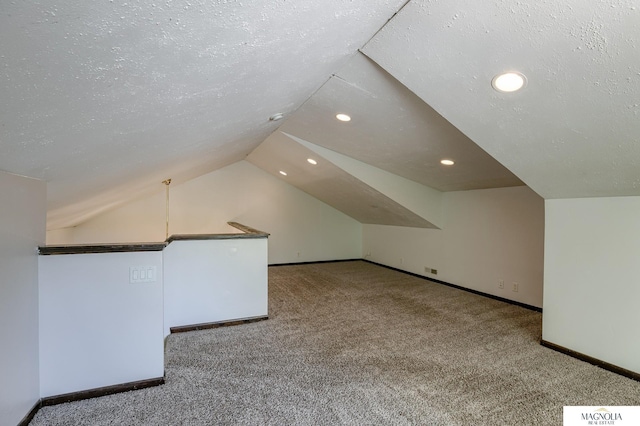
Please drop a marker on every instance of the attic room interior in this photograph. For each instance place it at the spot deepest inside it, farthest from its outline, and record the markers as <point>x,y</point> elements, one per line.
<point>327,125</point>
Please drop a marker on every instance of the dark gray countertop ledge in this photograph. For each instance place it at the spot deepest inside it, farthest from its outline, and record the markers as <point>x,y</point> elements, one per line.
<point>248,232</point>
<point>100,248</point>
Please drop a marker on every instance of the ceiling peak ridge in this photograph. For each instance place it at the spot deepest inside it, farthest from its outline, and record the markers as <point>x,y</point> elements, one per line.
<point>385,24</point>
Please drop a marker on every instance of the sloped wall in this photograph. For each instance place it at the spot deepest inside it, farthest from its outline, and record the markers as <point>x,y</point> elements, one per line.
<point>487,236</point>
<point>22,230</point>
<point>301,227</point>
<point>420,199</point>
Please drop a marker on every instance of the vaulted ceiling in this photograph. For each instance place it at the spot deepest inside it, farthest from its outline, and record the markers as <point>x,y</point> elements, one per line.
<point>106,100</point>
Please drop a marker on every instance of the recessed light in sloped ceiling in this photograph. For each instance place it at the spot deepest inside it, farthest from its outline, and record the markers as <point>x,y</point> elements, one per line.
<point>332,185</point>
<point>394,131</point>
<point>582,59</point>
<point>309,160</point>
<point>110,94</point>
<point>509,82</point>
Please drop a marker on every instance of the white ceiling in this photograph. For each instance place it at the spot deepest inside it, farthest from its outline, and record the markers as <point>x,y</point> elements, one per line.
<point>105,100</point>
<point>574,131</point>
<point>394,130</point>
<point>330,184</point>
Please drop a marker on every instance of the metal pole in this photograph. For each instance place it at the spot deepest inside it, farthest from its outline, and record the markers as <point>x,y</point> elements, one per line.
<point>167,183</point>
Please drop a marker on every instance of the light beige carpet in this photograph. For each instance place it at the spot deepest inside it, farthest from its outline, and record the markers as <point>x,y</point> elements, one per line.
<point>355,343</point>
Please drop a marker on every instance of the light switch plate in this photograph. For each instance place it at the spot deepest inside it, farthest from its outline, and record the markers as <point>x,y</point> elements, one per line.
<point>142,274</point>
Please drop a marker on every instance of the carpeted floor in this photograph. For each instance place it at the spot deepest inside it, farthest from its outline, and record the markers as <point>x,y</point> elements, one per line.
<point>355,343</point>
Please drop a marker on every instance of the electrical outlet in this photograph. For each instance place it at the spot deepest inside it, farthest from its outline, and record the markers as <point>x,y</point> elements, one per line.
<point>402,261</point>
<point>434,271</point>
<point>515,287</point>
<point>501,284</point>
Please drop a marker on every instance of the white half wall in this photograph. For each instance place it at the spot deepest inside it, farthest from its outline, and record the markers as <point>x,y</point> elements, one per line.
<point>487,236</point>
<point>591,279</point>
<point>22,230</point>
<point>302,228</point>
<point>96,328</point>
<point>214,280</point>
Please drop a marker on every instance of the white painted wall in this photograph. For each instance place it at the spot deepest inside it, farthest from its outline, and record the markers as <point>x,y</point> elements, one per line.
<point>214,280</point>
<point>591,279</point>
<point>302,228</point>
<point>487,235</point>
<point>96,328</point>
<point>139,221</point>
<point>22,230</point>
<point>60,236</point>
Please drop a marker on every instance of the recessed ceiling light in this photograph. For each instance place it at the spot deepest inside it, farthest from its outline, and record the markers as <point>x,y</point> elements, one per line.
<point>447,162</point>
<point>509,82</point>
<point>343,117</point>
<point>283,173</point>
<point>312,161</point>
<point>276,117</point>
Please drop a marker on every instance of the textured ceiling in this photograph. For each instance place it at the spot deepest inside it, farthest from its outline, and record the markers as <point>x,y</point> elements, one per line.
<point>331,184</point>
<point>574,131</point>
<point>105,100</point>
<point>393,129</point>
